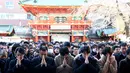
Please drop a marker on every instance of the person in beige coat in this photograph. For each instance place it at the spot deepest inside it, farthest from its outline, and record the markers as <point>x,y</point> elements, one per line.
<point>64,61</point>
<point>107,63</point>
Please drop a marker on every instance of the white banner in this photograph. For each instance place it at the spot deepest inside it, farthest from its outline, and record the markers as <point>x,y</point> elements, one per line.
<point>42,33</point>
<point>60,38</point>
<point>13,16</point>
<point>9,4</point>
<point>77,33</point>
<point>60,26</point>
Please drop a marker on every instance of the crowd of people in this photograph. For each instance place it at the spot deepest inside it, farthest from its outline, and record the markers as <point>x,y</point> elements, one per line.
<point>65,57</point>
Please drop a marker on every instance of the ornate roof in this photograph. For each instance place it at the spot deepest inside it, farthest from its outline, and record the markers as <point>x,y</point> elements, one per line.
<point>54,2</point>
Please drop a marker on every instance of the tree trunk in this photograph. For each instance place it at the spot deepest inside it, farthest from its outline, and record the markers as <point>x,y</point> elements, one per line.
<point>127,29</point>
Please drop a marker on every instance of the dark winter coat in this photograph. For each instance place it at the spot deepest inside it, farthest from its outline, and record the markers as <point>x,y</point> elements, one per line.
<point>80,66</point>
<point>2,65</point>
<point>37,68</point>
<point>11,57</point>
<point>119,57</point>
<point>59,61</point>
<point>124,66</point>
<point>23,68</point>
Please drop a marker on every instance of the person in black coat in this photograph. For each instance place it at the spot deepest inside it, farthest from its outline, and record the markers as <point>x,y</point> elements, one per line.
<point>43,63</point>
<point>124,66</point>
<point>85,63</point>
<point>2,64</point>
<point>3,58</point>
<point>122,55</point>
<point>11,56</point>
<point>20,64</point>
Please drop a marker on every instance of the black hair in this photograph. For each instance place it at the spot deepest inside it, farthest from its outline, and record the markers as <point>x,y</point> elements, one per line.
<point>75,46</point>
<point>123,44</point>
<point>31,47</point>
<point>64,51</point>
<point>115,46</point>
<point>50,44</point>
<point>43,44</point>
<point>128,51</point>
<point>56,42</point>
<point>25,46</point>
<point>84,43</point>
<point>85,48</point>
<point>107,50</point>
<point>20,50</point>
<point>94,45</point>
<point>14,47</point>
<point>67,44</point>
<point>43,48</point>
<point>26,42</point>
<point>101,45</point>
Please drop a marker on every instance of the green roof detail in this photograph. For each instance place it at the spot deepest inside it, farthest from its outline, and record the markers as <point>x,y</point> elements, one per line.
<point>6,28</point>
<point>55,2</point>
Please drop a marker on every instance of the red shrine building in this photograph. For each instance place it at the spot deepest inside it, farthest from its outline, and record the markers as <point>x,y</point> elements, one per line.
<point>53,20</point>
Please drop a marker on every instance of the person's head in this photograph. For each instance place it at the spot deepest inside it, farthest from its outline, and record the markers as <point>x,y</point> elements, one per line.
<point>26,48</point>
<point>43,44</point>
<point>0,45</point>
<point>56,50</point>
<point>5,45</point>
<point>128,53</point>
<point>107,50</point>
<point>116,49</point>
<point>64,51</point>
<point>68,45</point>
<point>43,50</point>
<point>14,47</point>
<point>124,48</point>
<point>94,48</point>
<point>101,45</point>
<point>3,53</point>
<point>85,49</point>
<point>75,50</point>
<point>31,50</point>
<point>20,52</point>
<point>50,46</point>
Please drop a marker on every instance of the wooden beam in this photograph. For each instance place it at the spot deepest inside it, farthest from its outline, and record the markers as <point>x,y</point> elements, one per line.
<point>25,5</point>
<point>58,24</point>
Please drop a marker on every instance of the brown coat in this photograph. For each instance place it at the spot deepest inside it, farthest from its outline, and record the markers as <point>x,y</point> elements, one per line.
<point>59,61</point>
<point>106,67</point>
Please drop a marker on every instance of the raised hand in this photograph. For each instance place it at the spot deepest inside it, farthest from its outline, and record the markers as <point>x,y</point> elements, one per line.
<point>64,62</point>
<point>108,58</point>
<point>86,58</point>
<point>43,61</point>
<point>18,60</point>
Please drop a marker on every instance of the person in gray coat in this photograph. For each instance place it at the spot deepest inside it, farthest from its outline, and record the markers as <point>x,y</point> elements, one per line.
<point>107,63</point>
<point>64,61</point>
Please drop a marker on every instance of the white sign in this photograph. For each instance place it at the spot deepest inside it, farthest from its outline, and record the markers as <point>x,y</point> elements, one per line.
<point>42,33</point>
<point>78,33</point>
<point>13,16</point>
<point>22,30</point>
<point>60,37</point>
<point>60,26</point>
<point>9,4</point>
